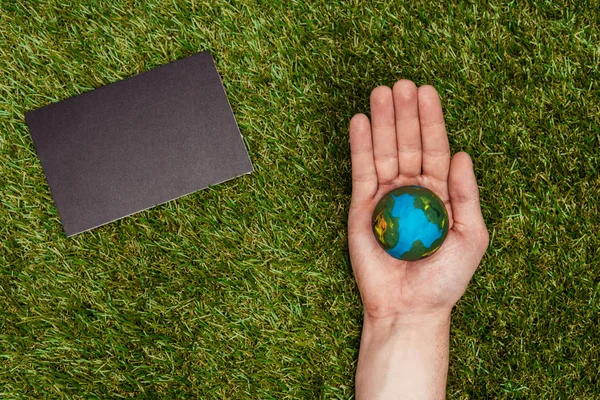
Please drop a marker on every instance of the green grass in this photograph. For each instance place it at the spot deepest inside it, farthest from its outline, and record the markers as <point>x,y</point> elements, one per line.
<point>245,290</point>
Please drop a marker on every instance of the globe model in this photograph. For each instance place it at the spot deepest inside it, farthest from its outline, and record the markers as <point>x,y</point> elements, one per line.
<point>410,223</point>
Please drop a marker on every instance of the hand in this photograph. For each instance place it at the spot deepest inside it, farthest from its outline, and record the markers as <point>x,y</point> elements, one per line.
<point>406,144</point>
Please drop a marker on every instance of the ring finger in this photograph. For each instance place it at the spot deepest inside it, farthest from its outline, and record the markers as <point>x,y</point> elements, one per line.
<point>385,150</point>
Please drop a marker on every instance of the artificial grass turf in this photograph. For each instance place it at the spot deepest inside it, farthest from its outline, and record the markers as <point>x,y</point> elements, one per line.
<point>245,290</point>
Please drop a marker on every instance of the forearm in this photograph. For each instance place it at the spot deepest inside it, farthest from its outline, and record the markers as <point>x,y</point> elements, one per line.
<point>403,358</point>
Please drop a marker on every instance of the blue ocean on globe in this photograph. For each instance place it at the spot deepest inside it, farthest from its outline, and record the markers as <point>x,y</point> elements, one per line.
<point>415,225</point>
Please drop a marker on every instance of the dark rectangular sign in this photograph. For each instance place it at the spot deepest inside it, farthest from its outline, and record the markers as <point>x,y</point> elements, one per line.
<point>133,144</point>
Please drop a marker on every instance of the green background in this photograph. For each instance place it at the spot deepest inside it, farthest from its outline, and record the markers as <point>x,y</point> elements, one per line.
<point>245,290</point>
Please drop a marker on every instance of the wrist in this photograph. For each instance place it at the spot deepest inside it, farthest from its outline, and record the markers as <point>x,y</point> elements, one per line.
<point>405,354</point>
<point>409,328</point>
<point>412,321</point>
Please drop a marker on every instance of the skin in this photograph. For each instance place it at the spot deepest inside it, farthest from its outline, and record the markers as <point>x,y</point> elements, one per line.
<point>407,305</point>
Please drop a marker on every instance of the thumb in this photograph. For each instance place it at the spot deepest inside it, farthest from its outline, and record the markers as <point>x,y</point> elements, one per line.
<point>464,197</point>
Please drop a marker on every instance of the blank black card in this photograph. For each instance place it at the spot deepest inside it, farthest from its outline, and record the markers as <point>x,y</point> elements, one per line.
<point>133,144</point>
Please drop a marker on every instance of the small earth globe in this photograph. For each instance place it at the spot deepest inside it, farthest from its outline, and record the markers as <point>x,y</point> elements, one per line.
<point>410,223</point>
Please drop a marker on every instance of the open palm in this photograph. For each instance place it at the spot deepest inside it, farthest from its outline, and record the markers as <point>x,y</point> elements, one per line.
<point>406,143</point>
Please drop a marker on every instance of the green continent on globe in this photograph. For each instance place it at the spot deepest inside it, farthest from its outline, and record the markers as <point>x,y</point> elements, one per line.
<point>410,222</point>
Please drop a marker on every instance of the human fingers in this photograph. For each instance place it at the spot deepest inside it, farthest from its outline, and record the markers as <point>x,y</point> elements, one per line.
<point>384,134</point>
<point>408,132</point>
<point>436,150</point>
<point>364,175</point>
<point>464,197</point>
